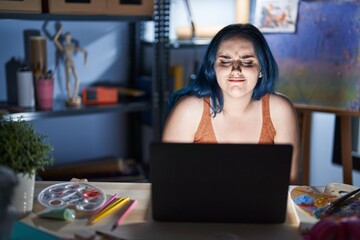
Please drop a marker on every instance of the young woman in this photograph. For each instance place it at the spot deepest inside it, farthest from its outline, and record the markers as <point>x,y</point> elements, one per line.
<point>233,98</point>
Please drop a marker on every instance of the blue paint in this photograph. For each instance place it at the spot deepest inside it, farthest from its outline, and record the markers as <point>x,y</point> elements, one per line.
<point>303,200</point>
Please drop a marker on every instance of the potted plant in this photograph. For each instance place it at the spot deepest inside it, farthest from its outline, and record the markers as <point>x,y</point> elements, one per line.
<point>25,152</point>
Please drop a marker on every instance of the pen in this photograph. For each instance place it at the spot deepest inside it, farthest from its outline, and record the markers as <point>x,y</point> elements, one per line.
<point>124,211</point>
<point>108,210</point>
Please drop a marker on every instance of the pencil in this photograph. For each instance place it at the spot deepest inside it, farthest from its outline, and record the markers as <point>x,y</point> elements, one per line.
<point>110,201</point>
<point>108,210</point>
<point>104,206</point>
<point>124,211</point>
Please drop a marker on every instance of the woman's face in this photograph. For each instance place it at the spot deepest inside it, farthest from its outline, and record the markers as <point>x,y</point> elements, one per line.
<point>237,67</point>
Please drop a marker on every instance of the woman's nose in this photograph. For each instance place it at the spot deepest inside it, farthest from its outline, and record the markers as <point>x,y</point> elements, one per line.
<point>236,66</point>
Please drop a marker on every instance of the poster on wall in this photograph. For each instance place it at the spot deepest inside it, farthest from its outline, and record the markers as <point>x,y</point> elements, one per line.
<point>276,15</point>
<point>320,63</point>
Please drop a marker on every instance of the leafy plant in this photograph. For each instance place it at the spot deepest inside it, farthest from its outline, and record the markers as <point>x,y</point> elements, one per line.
<point>21,148</point>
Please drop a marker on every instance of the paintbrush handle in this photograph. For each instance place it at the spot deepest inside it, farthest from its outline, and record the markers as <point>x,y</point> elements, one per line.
<point>341,199</point>
<point>331,206</point>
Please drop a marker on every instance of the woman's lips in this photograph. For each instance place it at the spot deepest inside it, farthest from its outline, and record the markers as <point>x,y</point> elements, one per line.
<point>236,79</point>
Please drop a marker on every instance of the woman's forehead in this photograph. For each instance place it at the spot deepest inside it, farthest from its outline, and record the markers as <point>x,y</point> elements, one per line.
<point>236,45</point>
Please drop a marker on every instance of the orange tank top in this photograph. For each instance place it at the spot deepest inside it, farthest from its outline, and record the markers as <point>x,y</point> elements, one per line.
<point>205,132</point>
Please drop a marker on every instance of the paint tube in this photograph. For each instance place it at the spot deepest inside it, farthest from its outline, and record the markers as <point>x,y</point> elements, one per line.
<point>58,213</point>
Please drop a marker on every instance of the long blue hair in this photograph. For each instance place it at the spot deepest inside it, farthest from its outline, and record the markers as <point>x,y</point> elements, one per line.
<point>205,83</point>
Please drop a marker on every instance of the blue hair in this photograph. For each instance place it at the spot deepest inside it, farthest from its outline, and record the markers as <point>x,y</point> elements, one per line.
<point>205,83</point>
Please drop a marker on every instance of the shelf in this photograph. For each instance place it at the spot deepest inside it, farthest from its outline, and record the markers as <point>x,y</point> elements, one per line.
<point>61,110</point>
<point>73,17</point>
<point>183,43</point>
<point>189,43</point>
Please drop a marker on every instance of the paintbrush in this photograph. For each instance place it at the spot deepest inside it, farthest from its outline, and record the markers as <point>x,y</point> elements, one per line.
<point>326,210</point>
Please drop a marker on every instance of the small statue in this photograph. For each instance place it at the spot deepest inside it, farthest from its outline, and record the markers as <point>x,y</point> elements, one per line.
<point>68,49</point>
<point>8,213</point>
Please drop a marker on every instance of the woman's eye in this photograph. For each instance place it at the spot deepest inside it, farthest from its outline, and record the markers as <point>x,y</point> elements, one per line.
<point>225,62</point>
<point>247,64</point>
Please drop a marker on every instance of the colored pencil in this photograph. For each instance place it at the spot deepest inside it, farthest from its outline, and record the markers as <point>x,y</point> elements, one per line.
<point>109,204</point>
<point>104,206</point>
<point>124,211</point>
<point>110,209</point>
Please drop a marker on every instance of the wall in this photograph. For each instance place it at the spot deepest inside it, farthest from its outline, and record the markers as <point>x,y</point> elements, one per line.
<point>76,138</point>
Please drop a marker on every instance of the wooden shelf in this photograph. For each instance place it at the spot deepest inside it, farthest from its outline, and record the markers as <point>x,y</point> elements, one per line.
<point>189,43</point>
<point>61,110</point>
<point>73,17</point>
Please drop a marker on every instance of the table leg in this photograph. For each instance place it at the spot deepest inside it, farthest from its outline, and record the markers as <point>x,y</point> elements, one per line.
<point>346,156</point>
<point>305,129</point>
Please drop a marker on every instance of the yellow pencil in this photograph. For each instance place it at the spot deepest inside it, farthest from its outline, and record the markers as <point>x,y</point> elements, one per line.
<point>111,208</point>
<point>106,208</point>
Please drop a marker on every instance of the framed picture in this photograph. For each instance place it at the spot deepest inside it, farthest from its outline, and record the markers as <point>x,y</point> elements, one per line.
<point>276,15</point>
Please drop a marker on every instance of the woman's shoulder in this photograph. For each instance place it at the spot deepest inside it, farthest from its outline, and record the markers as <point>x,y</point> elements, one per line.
<point>187,109</point>
<point>279,101</point>
<point>184,119</point>
<point>189,104</point>
<point>280,106</point>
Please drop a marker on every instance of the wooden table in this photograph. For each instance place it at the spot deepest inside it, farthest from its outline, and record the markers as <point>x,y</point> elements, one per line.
<point>138,224</point>
<point>305,112</point>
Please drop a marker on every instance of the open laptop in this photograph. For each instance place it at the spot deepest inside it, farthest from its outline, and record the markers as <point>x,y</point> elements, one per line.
<point>243,183</point>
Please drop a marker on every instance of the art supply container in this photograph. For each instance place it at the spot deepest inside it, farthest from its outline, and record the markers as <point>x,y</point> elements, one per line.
<point>38,56</point>
<point>45,93</point>
<point>25,88</point>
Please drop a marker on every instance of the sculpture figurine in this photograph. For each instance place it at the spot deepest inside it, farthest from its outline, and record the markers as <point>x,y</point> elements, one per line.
<point>68,49</point>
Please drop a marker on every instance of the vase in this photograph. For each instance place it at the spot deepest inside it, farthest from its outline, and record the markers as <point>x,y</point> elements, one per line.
<point>24,193</point>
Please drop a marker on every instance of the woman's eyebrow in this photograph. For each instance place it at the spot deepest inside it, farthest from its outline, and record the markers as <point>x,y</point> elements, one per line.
<point>247,56</point>
<point>224,56</point>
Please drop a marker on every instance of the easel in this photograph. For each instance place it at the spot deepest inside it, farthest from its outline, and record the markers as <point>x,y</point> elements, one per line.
<point>304,114</point>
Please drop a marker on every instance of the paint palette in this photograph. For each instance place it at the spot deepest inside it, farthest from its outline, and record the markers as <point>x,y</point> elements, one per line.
<point>309,200</point>
<point>82,196</point>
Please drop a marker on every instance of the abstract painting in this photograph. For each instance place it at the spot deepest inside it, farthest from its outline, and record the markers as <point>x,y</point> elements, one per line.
<point>320,63</point>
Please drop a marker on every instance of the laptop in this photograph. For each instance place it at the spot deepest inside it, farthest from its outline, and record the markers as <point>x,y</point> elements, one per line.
<point>239,183</point>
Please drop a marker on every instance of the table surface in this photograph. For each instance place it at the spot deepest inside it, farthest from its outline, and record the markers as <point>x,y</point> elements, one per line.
<point>138,224</point>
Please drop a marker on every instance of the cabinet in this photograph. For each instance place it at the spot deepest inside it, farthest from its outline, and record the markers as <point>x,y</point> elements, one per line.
<point>154,104</point>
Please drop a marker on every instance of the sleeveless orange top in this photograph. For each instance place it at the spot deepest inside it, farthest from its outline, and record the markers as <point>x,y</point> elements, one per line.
<point>205,132</point>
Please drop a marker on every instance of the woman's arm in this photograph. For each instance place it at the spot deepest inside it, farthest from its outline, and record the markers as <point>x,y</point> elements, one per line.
<point>183,120</point>
<point>284,118</point>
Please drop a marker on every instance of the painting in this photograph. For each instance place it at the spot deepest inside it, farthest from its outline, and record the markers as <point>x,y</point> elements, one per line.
<point>320,63</point>
<point>276,15</point>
